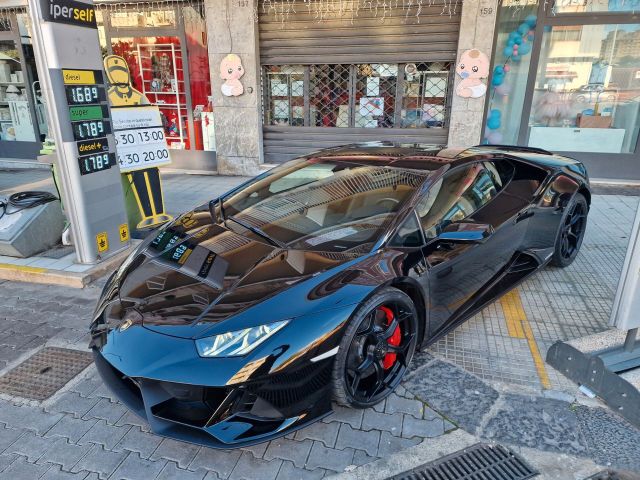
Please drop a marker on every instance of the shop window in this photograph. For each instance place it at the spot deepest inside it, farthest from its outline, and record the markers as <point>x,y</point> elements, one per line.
<point>586,93</point>
<point>593,6</point>
<point>146,19</point>
<point>515,35</point>
<point>357,96</point>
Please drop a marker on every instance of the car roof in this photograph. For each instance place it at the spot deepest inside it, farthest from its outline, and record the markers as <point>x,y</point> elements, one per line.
<point>428,157</point>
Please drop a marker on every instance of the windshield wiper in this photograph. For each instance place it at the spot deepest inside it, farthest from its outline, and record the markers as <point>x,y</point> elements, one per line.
<point>258,232</point>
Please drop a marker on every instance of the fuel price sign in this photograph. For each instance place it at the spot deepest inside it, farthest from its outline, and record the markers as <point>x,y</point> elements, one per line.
<point>90,129</point>
<point>85,94</point>
<point>95,163</point>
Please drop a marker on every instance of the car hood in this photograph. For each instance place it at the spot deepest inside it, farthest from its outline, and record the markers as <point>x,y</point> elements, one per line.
<point>194,274</point>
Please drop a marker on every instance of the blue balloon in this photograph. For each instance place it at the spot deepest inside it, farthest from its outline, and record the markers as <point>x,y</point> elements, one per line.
<point>530,37</point>
<point>508,51</point>
<point>523,28</point>
<point>497,80</point>
<point>513,35</point>
<point>515,57</point>
<point>494,123</point>
<point>499,70</point>
<point>524,49</point>
<point>511,43</point>
<point>531,20</point>
<point>518,40</point>
<point>495,113</point>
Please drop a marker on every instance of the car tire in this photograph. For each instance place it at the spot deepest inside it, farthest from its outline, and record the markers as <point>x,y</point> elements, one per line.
<point>357,347</point>
<point>570,232</point>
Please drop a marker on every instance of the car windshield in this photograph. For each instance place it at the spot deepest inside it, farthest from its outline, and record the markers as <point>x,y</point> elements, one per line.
<point>325,206</point>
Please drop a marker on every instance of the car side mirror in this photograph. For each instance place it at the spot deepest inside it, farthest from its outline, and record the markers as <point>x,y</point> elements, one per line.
<point>466,232</point>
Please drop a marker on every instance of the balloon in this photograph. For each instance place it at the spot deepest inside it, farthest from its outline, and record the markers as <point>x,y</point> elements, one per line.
<point>523,28</point>
<point>516,48</point>
<point>494,123</point>
<point>510,43</point>
<point>507,68</point>
<point>503,89</point>
<point>497,80</point>
<point>531,21</point>
<point>524,49</point>
<point>513,35</point>
<point>531,37</point>
<point>515,57</point>
<point>518,39</point>
<point>499,70</point>
<point>495,113</point>
<point>508,51</point>
<point>495,138</point>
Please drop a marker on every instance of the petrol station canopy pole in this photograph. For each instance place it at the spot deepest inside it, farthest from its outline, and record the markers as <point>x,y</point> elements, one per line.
<point>69,61</point>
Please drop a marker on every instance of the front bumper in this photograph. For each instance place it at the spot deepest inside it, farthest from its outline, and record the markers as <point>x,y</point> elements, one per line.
<point>225,416</point>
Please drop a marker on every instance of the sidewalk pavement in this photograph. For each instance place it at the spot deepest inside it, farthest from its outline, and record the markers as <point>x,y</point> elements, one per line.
<point>483,382</point>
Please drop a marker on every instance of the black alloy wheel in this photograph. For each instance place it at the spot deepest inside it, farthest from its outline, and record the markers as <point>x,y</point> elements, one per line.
<point>571,231</point>
<point>376,350</point>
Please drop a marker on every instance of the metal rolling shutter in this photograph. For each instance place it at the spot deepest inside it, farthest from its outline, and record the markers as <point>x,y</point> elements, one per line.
<point>399,38</point>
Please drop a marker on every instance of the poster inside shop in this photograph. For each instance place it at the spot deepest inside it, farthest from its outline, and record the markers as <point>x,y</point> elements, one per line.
<point>139,136</point>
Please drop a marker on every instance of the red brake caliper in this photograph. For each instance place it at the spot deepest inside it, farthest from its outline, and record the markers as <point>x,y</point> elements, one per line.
<point>390,358</point>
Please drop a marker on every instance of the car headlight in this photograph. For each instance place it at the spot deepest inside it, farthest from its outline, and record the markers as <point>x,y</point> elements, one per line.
<point>236,343</point>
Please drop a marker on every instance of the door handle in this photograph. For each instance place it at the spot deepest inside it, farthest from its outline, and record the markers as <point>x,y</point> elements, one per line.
<point>444,272</point>
<point>524,215</point>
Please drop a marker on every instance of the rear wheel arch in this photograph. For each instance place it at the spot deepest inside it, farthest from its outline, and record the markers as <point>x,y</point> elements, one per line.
<point>586,193</point>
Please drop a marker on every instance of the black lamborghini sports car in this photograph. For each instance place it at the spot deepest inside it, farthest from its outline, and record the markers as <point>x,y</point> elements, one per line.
<point>316,281</point>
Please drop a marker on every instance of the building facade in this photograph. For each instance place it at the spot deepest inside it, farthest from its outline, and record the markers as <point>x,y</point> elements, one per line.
<point>245,82</point>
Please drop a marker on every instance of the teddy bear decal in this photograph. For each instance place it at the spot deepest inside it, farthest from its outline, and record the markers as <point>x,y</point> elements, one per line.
<point>472,68</point>
<point>231,70</point>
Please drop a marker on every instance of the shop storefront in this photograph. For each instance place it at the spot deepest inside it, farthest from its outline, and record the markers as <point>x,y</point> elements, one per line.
<point>353,77</point>
<point>165,46</point>
<point>22,114</point>
<point>566,78</point>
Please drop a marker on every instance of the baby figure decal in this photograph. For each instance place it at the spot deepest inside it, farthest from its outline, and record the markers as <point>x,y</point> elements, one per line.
<point>472,68</point>
<point>231,70</point>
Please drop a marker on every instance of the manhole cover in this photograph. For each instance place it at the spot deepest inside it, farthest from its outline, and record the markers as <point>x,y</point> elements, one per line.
<point>44,373</point>
<point>488,462</point>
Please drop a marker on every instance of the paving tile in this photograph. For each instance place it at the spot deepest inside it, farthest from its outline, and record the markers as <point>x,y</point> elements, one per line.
<point>136,468</point>
<point>31,446</point>
<point>180,452</point>
<point>390,444</point>
<point>56,473</point>
<point>382,421</point>
<point>220,461</point>
<point>106,410</point>
<point>71,428</point>
<point>398,404</point>
<point>360,457</point>
<point>138,441</point>
<point>6,460</point>
<point>64,453</point>
<point>100,461</point>
<point>329,458</point>
<point>327,433</point>
<point>352,416</point>
<point>73,403</point>
<point>8,436</point>
<point>296,451</point>
<point>288,471</point>
<point>22,470</point>
<point>172,472</point>
<point>362,440</point>
<point>106,435</point>
<point>251,468</point>
<point>259,449</point>
<point>413,427</point>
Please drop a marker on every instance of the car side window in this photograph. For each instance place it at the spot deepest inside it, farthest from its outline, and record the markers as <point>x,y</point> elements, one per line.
<point>501,172</point>
<point>456,196</point>
<point>408,235</point>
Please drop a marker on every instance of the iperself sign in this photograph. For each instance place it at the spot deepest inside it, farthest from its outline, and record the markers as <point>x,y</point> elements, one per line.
<point>69,11</point>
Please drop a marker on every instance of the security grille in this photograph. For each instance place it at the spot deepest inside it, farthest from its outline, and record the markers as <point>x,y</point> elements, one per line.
<point>481,461</point>
<point>368,95</point>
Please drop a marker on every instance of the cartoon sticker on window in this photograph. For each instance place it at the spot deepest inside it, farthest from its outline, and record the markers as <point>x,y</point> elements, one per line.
<point>231,70</point>
<point>472,68</point>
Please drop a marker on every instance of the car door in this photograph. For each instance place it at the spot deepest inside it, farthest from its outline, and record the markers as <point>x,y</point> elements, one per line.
<point>457,270</point>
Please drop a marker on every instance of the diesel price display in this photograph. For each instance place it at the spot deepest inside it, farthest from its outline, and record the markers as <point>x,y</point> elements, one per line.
<point>84,94</point>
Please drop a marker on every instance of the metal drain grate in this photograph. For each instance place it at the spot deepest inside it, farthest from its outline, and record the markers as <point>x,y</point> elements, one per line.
<point>481,461</point>
<point>44,373</point>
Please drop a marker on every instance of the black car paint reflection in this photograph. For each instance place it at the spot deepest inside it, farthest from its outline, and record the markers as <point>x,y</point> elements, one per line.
<point>203,275</point>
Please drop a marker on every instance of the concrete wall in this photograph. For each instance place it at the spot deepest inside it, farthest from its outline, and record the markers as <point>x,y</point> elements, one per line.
<point>231,28</point>
<point>476,31</point>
